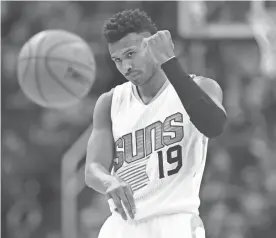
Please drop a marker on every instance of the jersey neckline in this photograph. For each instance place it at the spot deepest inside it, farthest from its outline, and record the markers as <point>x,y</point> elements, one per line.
<point>138,98</point>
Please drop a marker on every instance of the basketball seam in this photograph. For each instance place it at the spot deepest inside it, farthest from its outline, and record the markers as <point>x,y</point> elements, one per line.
<point>65,42</point>
<point>52,48</point>
<point>50,71</point>
<point>37,74</point>
<point>58,59</point>
<point>61,60</point>
<point>54,76</point>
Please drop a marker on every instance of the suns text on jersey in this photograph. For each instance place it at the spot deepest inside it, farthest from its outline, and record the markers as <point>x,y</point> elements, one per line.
<point>148,140</point>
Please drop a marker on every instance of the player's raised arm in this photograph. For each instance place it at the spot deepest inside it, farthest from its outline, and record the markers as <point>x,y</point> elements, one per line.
<point>201,101</point>
<point>99,160</point>
<point>204,109</point>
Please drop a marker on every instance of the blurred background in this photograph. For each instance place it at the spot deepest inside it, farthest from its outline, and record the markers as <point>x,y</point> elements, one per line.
<point>43,150</point>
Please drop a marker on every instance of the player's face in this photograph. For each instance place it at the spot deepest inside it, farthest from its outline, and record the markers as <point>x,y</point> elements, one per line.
<point>132,59</point>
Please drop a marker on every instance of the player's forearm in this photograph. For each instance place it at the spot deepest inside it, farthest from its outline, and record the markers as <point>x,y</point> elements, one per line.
<point>207,117</point>
<point>98,177</point>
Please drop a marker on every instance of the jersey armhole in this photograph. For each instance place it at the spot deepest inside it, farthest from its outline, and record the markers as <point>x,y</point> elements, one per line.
<point>113,108</point>
<point>117,98</point>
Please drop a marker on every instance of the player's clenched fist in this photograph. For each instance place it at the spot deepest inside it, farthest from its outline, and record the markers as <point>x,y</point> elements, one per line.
<point>160,46</point>
<point>120,194</point>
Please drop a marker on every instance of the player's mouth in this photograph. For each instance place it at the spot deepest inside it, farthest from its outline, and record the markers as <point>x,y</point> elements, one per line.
<point>133,74</point>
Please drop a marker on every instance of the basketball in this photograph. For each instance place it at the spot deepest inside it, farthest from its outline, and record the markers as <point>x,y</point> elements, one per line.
<point>56,68</point>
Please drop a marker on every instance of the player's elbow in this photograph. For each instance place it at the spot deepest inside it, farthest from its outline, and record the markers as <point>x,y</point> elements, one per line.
<point>215,126</point>
<point>214,131</point>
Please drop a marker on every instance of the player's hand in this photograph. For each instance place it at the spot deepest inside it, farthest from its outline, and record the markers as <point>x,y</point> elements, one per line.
<point>160,46</point>
<point>119,193</point>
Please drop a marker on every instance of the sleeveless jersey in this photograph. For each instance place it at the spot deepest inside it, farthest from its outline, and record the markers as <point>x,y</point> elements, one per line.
<point>159,152</point>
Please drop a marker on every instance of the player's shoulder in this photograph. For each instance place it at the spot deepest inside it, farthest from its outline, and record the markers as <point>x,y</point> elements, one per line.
<point>121,92</point>
<point>106,98</point>
<point>209,85</point>
<point>199,79</point>
<point>104,101</point>
<point>204,80</point>
<point>122,87</point>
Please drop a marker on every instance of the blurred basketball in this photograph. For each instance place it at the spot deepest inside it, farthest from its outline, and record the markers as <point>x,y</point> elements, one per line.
<point>56,68</point>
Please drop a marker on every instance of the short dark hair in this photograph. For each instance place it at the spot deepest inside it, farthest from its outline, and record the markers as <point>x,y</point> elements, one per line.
<point>128,21</point>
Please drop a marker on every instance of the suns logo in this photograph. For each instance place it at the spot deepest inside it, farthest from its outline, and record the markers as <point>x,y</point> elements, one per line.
<point>132,167</point>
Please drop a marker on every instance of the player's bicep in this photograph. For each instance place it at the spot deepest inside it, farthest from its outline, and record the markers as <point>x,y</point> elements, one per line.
<point>100,145</point>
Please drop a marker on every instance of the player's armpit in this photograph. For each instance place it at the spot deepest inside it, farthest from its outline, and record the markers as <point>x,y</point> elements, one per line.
<point>100,146</point>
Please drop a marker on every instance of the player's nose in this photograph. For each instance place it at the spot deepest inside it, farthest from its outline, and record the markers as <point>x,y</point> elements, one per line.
<point>127,67</point>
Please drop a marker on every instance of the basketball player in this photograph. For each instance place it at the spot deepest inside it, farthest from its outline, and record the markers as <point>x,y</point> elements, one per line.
<point>148,147</point>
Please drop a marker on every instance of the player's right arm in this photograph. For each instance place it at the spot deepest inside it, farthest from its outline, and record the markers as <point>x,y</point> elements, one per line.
<point>99,159</point>
<point>99,155</point>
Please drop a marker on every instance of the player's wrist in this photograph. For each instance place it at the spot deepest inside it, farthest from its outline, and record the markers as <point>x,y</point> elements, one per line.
<point>108,182</point>
<point>169,58</point>
<point>172,67</point>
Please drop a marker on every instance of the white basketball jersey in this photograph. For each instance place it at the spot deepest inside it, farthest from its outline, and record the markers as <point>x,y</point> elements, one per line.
<point>159,152</point>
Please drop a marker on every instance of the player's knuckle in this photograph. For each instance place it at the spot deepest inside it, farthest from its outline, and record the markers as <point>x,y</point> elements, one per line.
<point>119,205</point>
<point>155,37</point>
<point>168,34</point>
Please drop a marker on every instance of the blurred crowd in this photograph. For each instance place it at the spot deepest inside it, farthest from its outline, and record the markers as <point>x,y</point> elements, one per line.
<point>239,186</point>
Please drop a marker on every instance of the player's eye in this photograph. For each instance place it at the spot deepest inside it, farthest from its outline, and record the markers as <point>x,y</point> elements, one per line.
<point>129,54</point>
<point>117,60</point>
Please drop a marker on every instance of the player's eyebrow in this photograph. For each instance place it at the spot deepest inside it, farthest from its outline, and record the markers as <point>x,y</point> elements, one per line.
<point>125,52</point>
<point>130,49</point>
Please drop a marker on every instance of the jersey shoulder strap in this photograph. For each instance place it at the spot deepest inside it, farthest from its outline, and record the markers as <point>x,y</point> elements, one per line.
<point>120,93</point>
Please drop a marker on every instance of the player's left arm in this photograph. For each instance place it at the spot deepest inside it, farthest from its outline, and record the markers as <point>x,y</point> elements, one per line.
<point>201,97</point>
<point>202,102</point>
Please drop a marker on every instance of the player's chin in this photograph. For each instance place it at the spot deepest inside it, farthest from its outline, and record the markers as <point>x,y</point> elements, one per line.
<point>137,81</point>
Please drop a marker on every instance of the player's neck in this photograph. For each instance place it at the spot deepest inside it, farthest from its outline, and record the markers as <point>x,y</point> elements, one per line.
<point>152,87</point>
